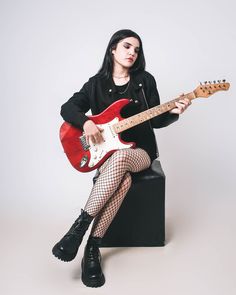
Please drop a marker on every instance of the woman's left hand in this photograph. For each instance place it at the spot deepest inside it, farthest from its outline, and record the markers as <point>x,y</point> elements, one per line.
<point>181,106</point>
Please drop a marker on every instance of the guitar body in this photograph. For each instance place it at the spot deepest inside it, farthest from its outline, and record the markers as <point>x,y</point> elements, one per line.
<point>84,157</point>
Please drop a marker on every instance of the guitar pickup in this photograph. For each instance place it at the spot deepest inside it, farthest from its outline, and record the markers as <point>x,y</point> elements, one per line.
<point>83,142</point>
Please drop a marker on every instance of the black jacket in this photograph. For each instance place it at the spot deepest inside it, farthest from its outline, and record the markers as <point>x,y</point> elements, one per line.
<point>98,93</point>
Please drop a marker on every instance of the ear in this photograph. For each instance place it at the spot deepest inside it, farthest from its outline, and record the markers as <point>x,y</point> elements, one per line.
<point>113,49</point>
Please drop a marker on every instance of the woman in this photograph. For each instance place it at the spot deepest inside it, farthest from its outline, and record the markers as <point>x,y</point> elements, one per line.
<point>122,75</point>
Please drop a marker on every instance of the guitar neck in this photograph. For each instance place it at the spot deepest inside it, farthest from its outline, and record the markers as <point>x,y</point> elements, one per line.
<point>149,114</point>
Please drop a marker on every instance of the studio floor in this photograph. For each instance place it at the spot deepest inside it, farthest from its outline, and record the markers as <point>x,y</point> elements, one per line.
<point>198,258</point>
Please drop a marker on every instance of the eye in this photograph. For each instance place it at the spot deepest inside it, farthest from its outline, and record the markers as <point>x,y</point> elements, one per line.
<point>127,46</point>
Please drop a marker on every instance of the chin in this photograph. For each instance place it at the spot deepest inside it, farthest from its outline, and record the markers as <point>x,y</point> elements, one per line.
<point>128,66</point>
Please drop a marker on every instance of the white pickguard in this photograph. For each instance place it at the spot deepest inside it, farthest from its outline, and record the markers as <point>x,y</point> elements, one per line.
<point>112,142</point>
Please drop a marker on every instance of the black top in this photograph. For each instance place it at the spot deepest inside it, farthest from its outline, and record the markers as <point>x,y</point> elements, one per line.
<point>121,89</point>
<point>98,93</point>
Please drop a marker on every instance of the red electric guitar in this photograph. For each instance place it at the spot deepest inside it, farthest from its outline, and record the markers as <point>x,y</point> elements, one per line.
<point>87,157</point>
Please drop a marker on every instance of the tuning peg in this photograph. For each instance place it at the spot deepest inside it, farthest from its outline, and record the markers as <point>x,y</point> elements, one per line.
<point>214,81</point>
<point>224,80</point>
<point>200,83</point>
<point>205,82</point>
<point>209,82</point>
<point>218,81</point>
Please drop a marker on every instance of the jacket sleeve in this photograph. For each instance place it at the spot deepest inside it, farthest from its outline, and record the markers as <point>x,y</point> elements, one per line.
<point>73,111</point>
<point>153,98</point>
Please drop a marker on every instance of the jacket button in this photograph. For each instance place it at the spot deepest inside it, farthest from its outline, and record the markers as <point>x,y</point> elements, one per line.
<point>140,85</point>
<point>110,90</point>
<point>136,101</point>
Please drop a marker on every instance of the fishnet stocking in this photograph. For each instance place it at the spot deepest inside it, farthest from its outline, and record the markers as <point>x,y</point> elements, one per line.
<point>112,186</point>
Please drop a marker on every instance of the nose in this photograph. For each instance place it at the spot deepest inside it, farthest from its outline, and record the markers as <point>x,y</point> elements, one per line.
<point>132,51</point>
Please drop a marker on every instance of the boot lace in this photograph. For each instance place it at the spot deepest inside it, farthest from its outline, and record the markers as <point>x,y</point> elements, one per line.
<point>93,253</point>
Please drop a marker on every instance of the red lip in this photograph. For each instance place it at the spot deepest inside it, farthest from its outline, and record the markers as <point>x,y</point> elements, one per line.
<point>130,59</point>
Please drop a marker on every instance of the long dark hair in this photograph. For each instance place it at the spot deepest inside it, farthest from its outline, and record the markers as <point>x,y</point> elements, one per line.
<point>107,65</point>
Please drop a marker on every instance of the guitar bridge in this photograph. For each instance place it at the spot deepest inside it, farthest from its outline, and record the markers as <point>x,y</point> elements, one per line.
<point>83,142</point>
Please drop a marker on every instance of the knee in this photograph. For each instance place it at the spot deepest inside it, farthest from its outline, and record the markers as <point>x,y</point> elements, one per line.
<point>120,157</point>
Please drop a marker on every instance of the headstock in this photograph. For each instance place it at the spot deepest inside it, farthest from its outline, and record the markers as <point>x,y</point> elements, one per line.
<point>208,88</point>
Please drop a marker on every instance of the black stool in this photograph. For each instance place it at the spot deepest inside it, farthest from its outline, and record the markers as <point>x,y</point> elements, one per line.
<point>140,220</point>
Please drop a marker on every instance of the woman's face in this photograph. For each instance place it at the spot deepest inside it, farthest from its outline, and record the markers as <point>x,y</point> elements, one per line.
<point>126,52</point>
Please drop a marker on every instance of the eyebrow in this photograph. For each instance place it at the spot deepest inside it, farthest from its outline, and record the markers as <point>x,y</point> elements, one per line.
<point>137,47</point>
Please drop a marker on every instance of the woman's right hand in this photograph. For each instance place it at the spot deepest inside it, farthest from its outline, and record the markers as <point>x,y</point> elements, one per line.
<point>92,132</point>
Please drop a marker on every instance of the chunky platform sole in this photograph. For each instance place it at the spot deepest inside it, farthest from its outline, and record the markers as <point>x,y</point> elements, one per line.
<point>66,257</point>
<point>93,283</point>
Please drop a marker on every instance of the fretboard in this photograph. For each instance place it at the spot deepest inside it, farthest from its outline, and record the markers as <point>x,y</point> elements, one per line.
<point>149,114</point>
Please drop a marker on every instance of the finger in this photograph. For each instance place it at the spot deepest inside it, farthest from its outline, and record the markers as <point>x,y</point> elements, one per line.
<point>98,135</point>
<point>187,101</point>
<point>184,102</point>
<point>180,107</point>
<point>93,139</point>
<point>96,139</point>
<point>90,140</point>
<point>100,128</point>
<point>100,138</point>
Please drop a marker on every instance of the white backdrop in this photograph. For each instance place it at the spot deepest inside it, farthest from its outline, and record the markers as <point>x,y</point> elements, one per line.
<point>49,49</point>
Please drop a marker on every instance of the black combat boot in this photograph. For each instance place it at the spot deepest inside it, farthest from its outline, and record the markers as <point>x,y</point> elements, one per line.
<point>92,275</point>
<point>67,248</point>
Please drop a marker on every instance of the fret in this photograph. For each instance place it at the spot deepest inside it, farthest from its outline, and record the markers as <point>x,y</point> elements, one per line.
<point>144,116</point>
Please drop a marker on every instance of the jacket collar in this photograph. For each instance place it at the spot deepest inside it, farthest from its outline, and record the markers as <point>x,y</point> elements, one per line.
<point>135,80</point>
